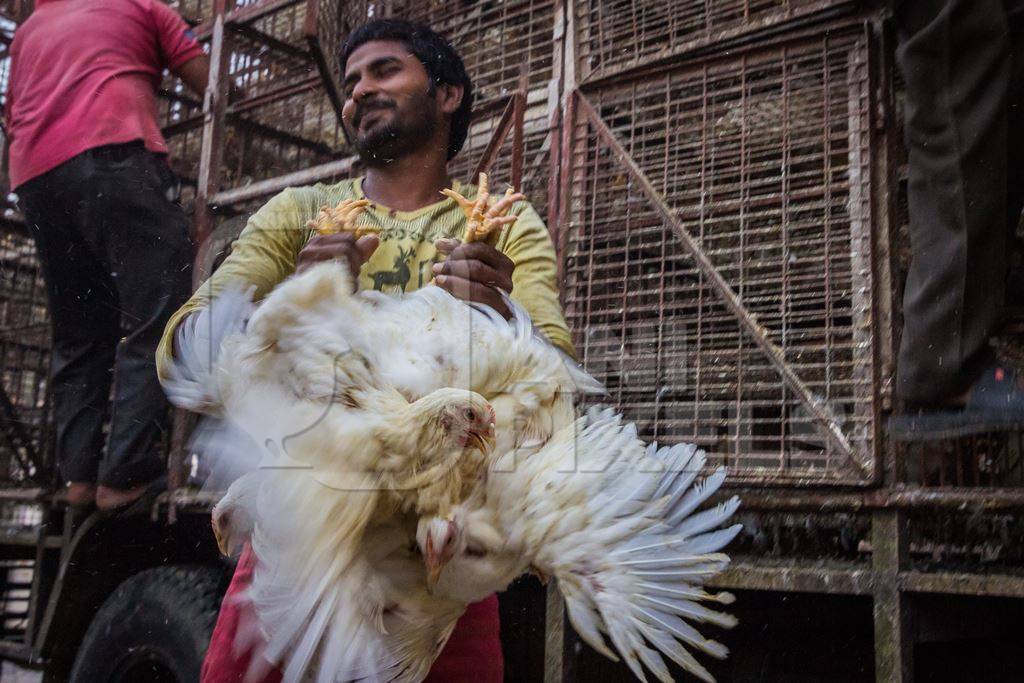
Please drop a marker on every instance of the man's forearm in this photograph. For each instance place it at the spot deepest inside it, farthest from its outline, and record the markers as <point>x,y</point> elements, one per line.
<point>195,73</point>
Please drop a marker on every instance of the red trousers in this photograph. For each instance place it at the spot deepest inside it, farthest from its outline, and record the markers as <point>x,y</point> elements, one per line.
<point>473,653</point>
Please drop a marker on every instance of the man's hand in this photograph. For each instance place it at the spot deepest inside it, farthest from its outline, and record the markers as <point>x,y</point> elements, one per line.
<point>341,246</point>
<point>474,271</point>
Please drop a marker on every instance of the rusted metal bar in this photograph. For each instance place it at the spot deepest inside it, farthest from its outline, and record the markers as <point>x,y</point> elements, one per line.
<point>518,113</point>
<point>820,410</point>
<point>278,134</point>
<point>271,186</point>
<point>240,121</point>
<point>965,500</point>
<point>490,153</point>
<point>248,13</point>
<point>19,442</point>
<point>287,90</point>
<point>263,39</point>
<point>568,138</point>
<point>215,105</point>
<point>557,664</point>
<point>14,650</point>
<point>943,583</point>
<point>23,495</point>
<point>316,49</point>
<point>182,97</point>
<point>894,645</point>
<point>767,33</point>
<point>809,577</point>
<point>555,89</point>
<point>211,157</point>
<point>795,578</point>
<point>182,126</point>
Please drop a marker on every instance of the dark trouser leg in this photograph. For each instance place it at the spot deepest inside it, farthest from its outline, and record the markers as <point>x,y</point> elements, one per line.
<point>1015,122</point>
<point>144,234</point>
<point>83,311</point>
<point>956,60</point>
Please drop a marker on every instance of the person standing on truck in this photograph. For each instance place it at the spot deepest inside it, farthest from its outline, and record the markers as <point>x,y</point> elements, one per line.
<point>407,109</point>
<point>89,165</point>
<point>963,64</point>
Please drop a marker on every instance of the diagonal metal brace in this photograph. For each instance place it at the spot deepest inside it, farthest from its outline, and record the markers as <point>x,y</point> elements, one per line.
<point>820,410</point>
<point>12,429</point>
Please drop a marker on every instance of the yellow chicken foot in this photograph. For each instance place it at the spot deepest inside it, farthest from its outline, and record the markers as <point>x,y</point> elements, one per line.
<point>342,218</point>
<point>486,216</point>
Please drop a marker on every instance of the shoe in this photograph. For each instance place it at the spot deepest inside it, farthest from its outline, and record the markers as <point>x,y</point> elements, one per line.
<point>141,505</point>
<point>995,403</point>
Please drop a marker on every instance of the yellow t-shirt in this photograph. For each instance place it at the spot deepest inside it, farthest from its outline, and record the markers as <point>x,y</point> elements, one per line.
<point>266,252</point>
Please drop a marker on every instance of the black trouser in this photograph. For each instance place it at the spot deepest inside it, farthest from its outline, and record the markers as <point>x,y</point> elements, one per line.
<point>116,255</point>
<point>963,63</point>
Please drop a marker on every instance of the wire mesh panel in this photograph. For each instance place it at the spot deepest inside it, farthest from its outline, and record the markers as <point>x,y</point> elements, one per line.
<point>499,43</point>
<point>617,34</point>
<point>763,158</point>
<point>24,355</point>
<point>495,39</point>
<point>193,11</point>
<point>282,119</point>
<point>537,142</point>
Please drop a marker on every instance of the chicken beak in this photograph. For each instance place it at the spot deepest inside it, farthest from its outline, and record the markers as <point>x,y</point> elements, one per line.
<point>482,442</point>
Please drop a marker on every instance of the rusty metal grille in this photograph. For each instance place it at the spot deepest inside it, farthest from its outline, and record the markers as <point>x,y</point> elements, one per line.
<point>995,459</point>
<point>324,40</point>
<point>181,115</point>
<point>24,351</point>
<point>269,54</point>
<point>495,39</point>
<point>285,119</point>
<point>536,158</point>
<point>763,157</point>
<point>193,11</point>
<point>622,33</point>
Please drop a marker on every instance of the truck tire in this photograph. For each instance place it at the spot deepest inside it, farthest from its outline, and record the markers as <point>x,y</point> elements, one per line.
<point>154,627</point>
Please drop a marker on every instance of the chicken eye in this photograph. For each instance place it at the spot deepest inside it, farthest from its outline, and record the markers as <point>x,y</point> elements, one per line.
<point>470,415</point>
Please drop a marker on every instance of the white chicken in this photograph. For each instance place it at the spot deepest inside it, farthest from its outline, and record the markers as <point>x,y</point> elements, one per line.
<point>330,397</point>
<point>406,456</point>
<point>615,523</point>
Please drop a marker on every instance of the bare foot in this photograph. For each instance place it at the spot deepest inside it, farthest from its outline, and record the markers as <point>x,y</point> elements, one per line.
<point>81,494</point>
<point>108,498</point>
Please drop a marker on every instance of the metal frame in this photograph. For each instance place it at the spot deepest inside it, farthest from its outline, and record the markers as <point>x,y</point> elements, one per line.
<point>890,577</point>
<point>862,464</point>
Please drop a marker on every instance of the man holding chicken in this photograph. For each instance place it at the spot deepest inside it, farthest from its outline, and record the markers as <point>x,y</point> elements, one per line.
<point>407,107</point>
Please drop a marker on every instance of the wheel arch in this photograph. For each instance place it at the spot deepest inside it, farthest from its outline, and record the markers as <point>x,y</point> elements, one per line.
<point>102,554</point>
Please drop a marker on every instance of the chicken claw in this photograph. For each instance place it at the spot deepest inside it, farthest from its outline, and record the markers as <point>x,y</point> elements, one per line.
<point>342,218</point>
<point>485,215</point>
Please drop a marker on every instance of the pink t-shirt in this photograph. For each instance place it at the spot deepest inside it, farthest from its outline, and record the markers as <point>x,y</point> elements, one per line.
<point>84,74</point>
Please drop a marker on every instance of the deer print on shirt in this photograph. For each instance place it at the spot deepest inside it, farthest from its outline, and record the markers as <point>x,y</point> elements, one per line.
<point>399,275</point>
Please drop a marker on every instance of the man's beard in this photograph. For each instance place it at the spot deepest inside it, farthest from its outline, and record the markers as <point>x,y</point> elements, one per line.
<point>399,137</point>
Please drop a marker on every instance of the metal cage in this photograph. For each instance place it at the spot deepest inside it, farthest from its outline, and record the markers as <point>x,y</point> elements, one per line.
<point>24,360</point>
<point>742,325</point>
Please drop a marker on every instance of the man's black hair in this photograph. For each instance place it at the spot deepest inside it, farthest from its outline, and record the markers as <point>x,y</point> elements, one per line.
<point>439,58</point>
